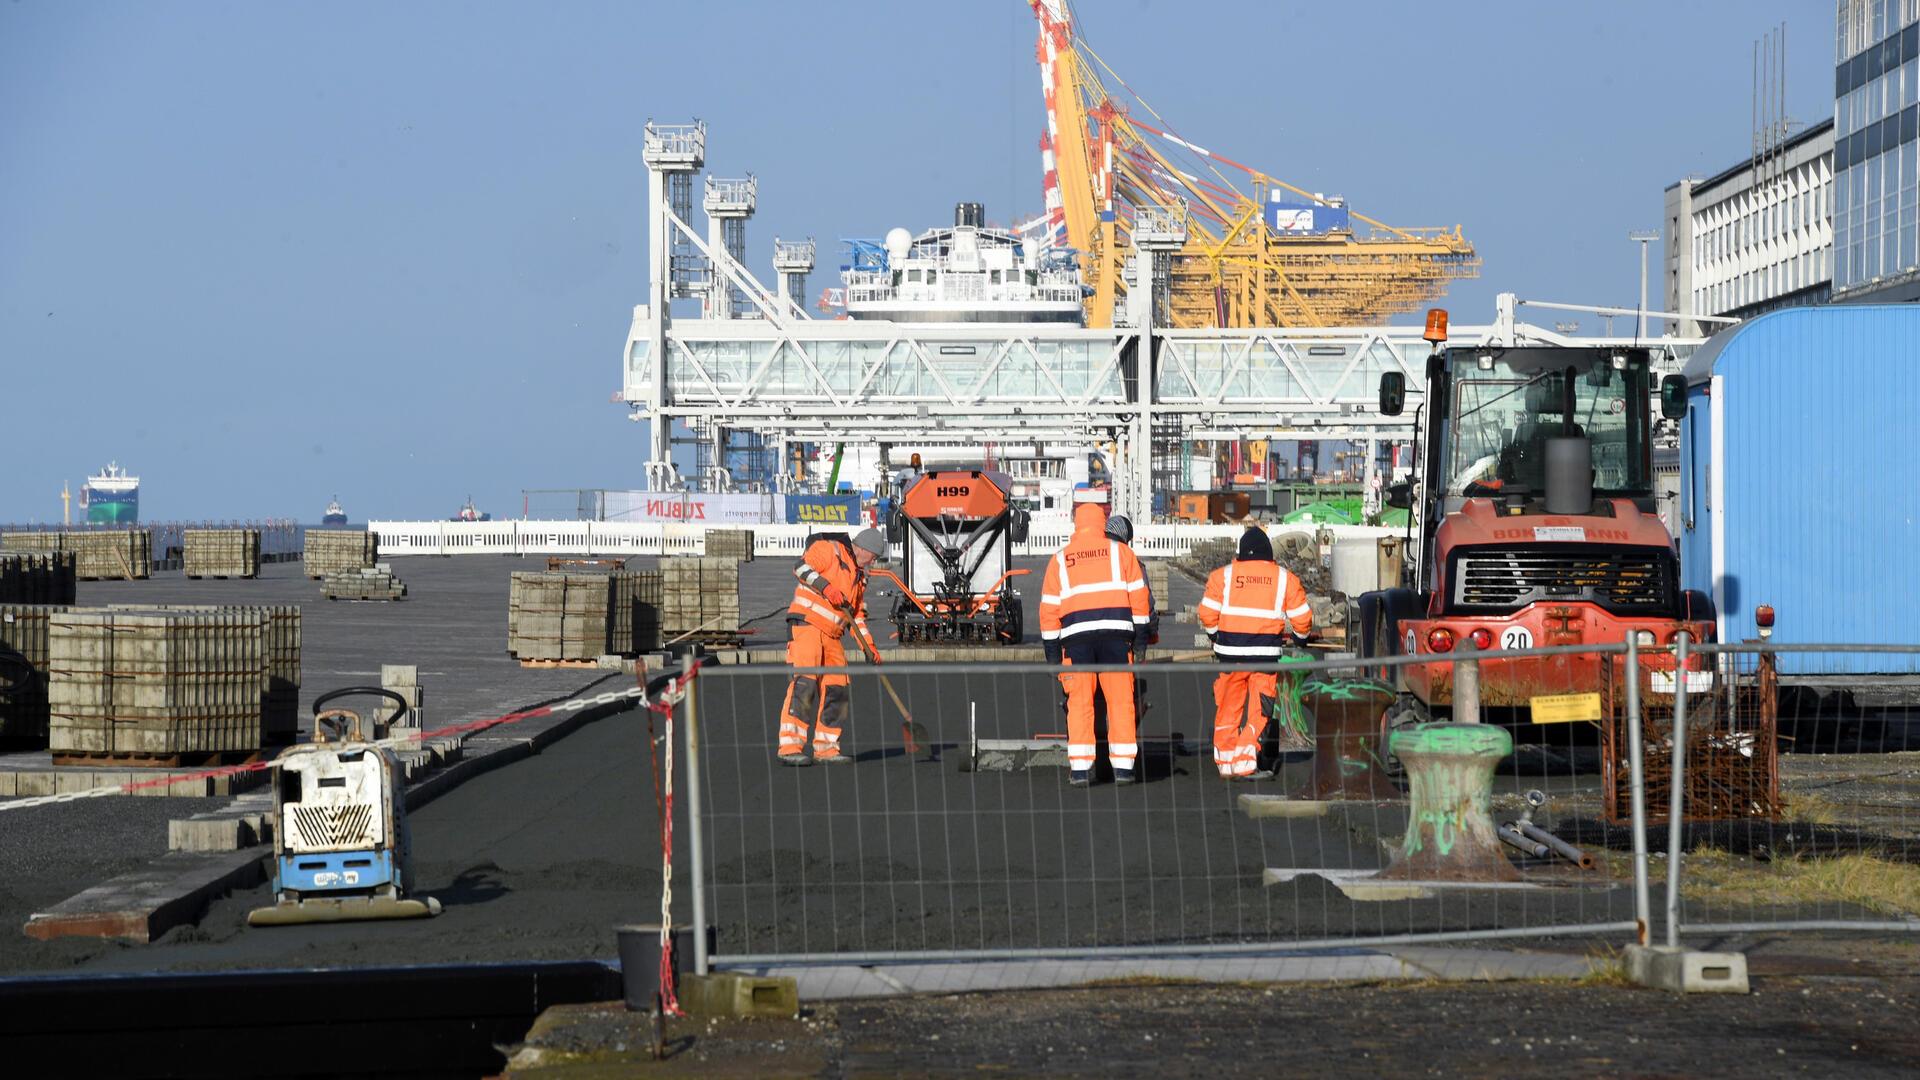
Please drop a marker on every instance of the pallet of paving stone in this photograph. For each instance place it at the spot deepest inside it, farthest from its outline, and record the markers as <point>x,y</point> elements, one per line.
<point>159,688</point>
<point>700,594</point>
<point>735,544</point>
<point>634,618</point>
<point>99,555</point>
<point>23,667</point>
<point>37,577</point>
<point>37,540</point>
<point>559,615</point>
<point>373,583</point>
<point>1157,583</point>
<point>280,692</point>
<point>220,553</point>
<point>331,550</point>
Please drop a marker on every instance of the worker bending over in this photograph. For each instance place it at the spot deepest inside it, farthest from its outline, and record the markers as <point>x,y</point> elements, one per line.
<point>829,600</point>
<point>1250,605</point>
<point>1095,609</point>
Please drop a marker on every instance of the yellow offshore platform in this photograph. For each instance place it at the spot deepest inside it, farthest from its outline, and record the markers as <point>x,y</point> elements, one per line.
<point>1269,255</point>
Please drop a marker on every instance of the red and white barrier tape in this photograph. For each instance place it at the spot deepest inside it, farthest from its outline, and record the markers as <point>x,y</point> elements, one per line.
<point>674,691</point>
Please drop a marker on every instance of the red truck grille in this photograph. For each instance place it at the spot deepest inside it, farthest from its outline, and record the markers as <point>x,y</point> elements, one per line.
<point>1623,582</point>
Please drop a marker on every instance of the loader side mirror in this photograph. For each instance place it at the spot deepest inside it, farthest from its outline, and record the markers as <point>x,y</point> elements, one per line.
<point>1018,521</point>
<point>1673,397</point>
<point>896,528</point>
<point>1400,495</point>
<point>1393,393</point>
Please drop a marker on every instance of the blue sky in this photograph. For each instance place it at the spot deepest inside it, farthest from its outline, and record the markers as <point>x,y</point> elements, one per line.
<point>266,253</point>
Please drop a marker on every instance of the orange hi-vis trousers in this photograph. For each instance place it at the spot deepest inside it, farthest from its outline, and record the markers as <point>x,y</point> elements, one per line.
<point>816,702</point>
<point>1116,687</point>
<point>1242,702</point>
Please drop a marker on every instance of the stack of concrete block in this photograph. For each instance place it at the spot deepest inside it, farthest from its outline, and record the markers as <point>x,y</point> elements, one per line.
<point>699,594</point>
<point>329,550</point>
<point>402,679</point>
<point>559,615</point>
<point>280,692</point>
<point>103,554</point>
<point>735,544</point>
<point>155,687</point>
<point>221,552</point>
<point>1157,583</point>
<point>374,583</point>
<point>37,577</point>
<point>23,665</point>
<point>633,620</point>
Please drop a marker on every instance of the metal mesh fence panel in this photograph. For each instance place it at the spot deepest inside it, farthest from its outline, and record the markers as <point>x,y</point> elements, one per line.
<point>958,832</point>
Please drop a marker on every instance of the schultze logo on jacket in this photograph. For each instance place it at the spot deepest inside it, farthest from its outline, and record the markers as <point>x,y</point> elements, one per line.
<point>1250,605</point>
<point>1094,586</point>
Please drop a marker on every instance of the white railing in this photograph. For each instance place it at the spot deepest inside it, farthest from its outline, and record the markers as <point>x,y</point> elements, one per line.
<point>608,539</point>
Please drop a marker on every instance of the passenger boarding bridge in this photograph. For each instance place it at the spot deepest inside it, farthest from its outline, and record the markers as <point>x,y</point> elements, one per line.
<point>790,378</point>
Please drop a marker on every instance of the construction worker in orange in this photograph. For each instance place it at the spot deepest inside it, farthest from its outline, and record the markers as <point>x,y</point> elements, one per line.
<point>1251,604</point>
<point>1094,609</point>
<point>829,601</point>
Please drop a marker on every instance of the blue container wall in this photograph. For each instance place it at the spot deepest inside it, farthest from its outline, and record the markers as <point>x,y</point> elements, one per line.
<point>1822,505</point>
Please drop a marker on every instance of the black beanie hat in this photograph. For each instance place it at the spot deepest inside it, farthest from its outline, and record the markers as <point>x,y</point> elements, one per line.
<point>1254,545</point>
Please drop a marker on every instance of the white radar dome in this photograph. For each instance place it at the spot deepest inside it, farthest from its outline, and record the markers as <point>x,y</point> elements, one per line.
<point>899,242</point>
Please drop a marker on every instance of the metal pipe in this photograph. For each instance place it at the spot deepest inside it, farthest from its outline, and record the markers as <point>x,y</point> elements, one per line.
<point>1676,813</point>
<point>1511,835</point>
<point>1637,796</point>
<point>1466,682</point>
<point>695,831</point>
<point>1559,847</point>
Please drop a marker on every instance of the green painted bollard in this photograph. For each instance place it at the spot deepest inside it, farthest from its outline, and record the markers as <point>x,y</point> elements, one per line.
<point>1348,754</point>
<point>1450,833</point>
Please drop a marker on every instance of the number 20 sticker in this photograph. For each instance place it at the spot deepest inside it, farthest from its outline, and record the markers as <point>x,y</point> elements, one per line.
<point>1516,637</point>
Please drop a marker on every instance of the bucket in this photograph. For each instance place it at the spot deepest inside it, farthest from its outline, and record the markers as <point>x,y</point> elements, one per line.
<point>640,960</point>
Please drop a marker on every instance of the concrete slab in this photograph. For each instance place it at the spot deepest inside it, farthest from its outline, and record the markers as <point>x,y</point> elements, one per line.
<point>146,903</point>
<point>1279,806</point>
<point>1367,885</point>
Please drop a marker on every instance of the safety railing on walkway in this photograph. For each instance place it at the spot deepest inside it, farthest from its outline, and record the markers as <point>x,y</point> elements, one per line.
<point>951,829</point>
<point>1799,777</point>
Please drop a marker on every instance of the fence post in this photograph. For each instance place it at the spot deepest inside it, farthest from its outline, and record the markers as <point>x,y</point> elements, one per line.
<point>1637,798</point>
<point>1466,682</point>
<point>1676,814</point>
<point>695,831</point>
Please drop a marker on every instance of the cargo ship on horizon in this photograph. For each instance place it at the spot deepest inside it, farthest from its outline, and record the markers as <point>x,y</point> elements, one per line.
<point>112,497</point>
<point>334,515</point>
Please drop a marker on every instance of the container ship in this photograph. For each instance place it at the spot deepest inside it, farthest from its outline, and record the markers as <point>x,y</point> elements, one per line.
<point>111,498</point>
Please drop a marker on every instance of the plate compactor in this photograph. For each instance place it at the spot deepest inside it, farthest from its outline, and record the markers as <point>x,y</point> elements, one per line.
<point>340,846</point>
<point>957,530</point>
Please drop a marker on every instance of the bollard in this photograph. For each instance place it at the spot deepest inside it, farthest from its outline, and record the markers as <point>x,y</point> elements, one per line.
<point>1466,682</point>
<point>1450,831</point>
<point>1348,751</point>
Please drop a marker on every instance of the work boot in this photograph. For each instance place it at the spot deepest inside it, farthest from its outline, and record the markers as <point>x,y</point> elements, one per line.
<point>1257,774</point>
<point>1079,778</point>
<point>796,760</point>
<point>1123,776</point>
<point>841,758</point>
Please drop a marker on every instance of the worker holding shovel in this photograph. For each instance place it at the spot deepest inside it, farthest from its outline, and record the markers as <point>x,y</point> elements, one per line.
<point>828,601</point>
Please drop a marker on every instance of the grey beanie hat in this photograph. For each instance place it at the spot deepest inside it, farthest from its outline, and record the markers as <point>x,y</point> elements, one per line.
<point>871,540</point>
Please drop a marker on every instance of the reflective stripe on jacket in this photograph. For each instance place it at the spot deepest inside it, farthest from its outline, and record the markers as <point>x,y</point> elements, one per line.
<point>1094,585</point>
<point>1249,607</point>
<point>828,561</point>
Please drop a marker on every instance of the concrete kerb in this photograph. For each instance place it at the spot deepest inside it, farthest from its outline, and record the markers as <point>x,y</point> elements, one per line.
<point>827,982</point>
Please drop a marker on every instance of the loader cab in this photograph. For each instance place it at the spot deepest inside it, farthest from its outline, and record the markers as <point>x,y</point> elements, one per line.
<point>1490,413</point>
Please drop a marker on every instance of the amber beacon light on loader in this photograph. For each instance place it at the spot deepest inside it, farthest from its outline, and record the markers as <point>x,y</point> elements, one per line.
<point>1532,524</point>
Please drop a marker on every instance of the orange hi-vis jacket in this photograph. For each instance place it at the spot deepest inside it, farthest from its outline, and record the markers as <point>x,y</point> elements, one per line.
<point>1094,585</point>
<point>827,565</point>
<point>1249,607</point>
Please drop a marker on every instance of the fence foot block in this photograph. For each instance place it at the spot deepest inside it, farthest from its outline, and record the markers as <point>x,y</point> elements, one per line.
<point>1684,971</point>
<point>727,994</point>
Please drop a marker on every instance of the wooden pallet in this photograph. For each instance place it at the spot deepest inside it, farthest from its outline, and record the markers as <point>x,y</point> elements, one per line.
<point>578,665</point>
<point>136,760</point>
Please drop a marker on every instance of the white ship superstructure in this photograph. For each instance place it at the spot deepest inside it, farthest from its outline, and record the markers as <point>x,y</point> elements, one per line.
<point>968,273</point>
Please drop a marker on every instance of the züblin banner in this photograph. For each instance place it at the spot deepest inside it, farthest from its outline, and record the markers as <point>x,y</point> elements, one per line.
<point>730,509</point>
<point>823,510</point>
